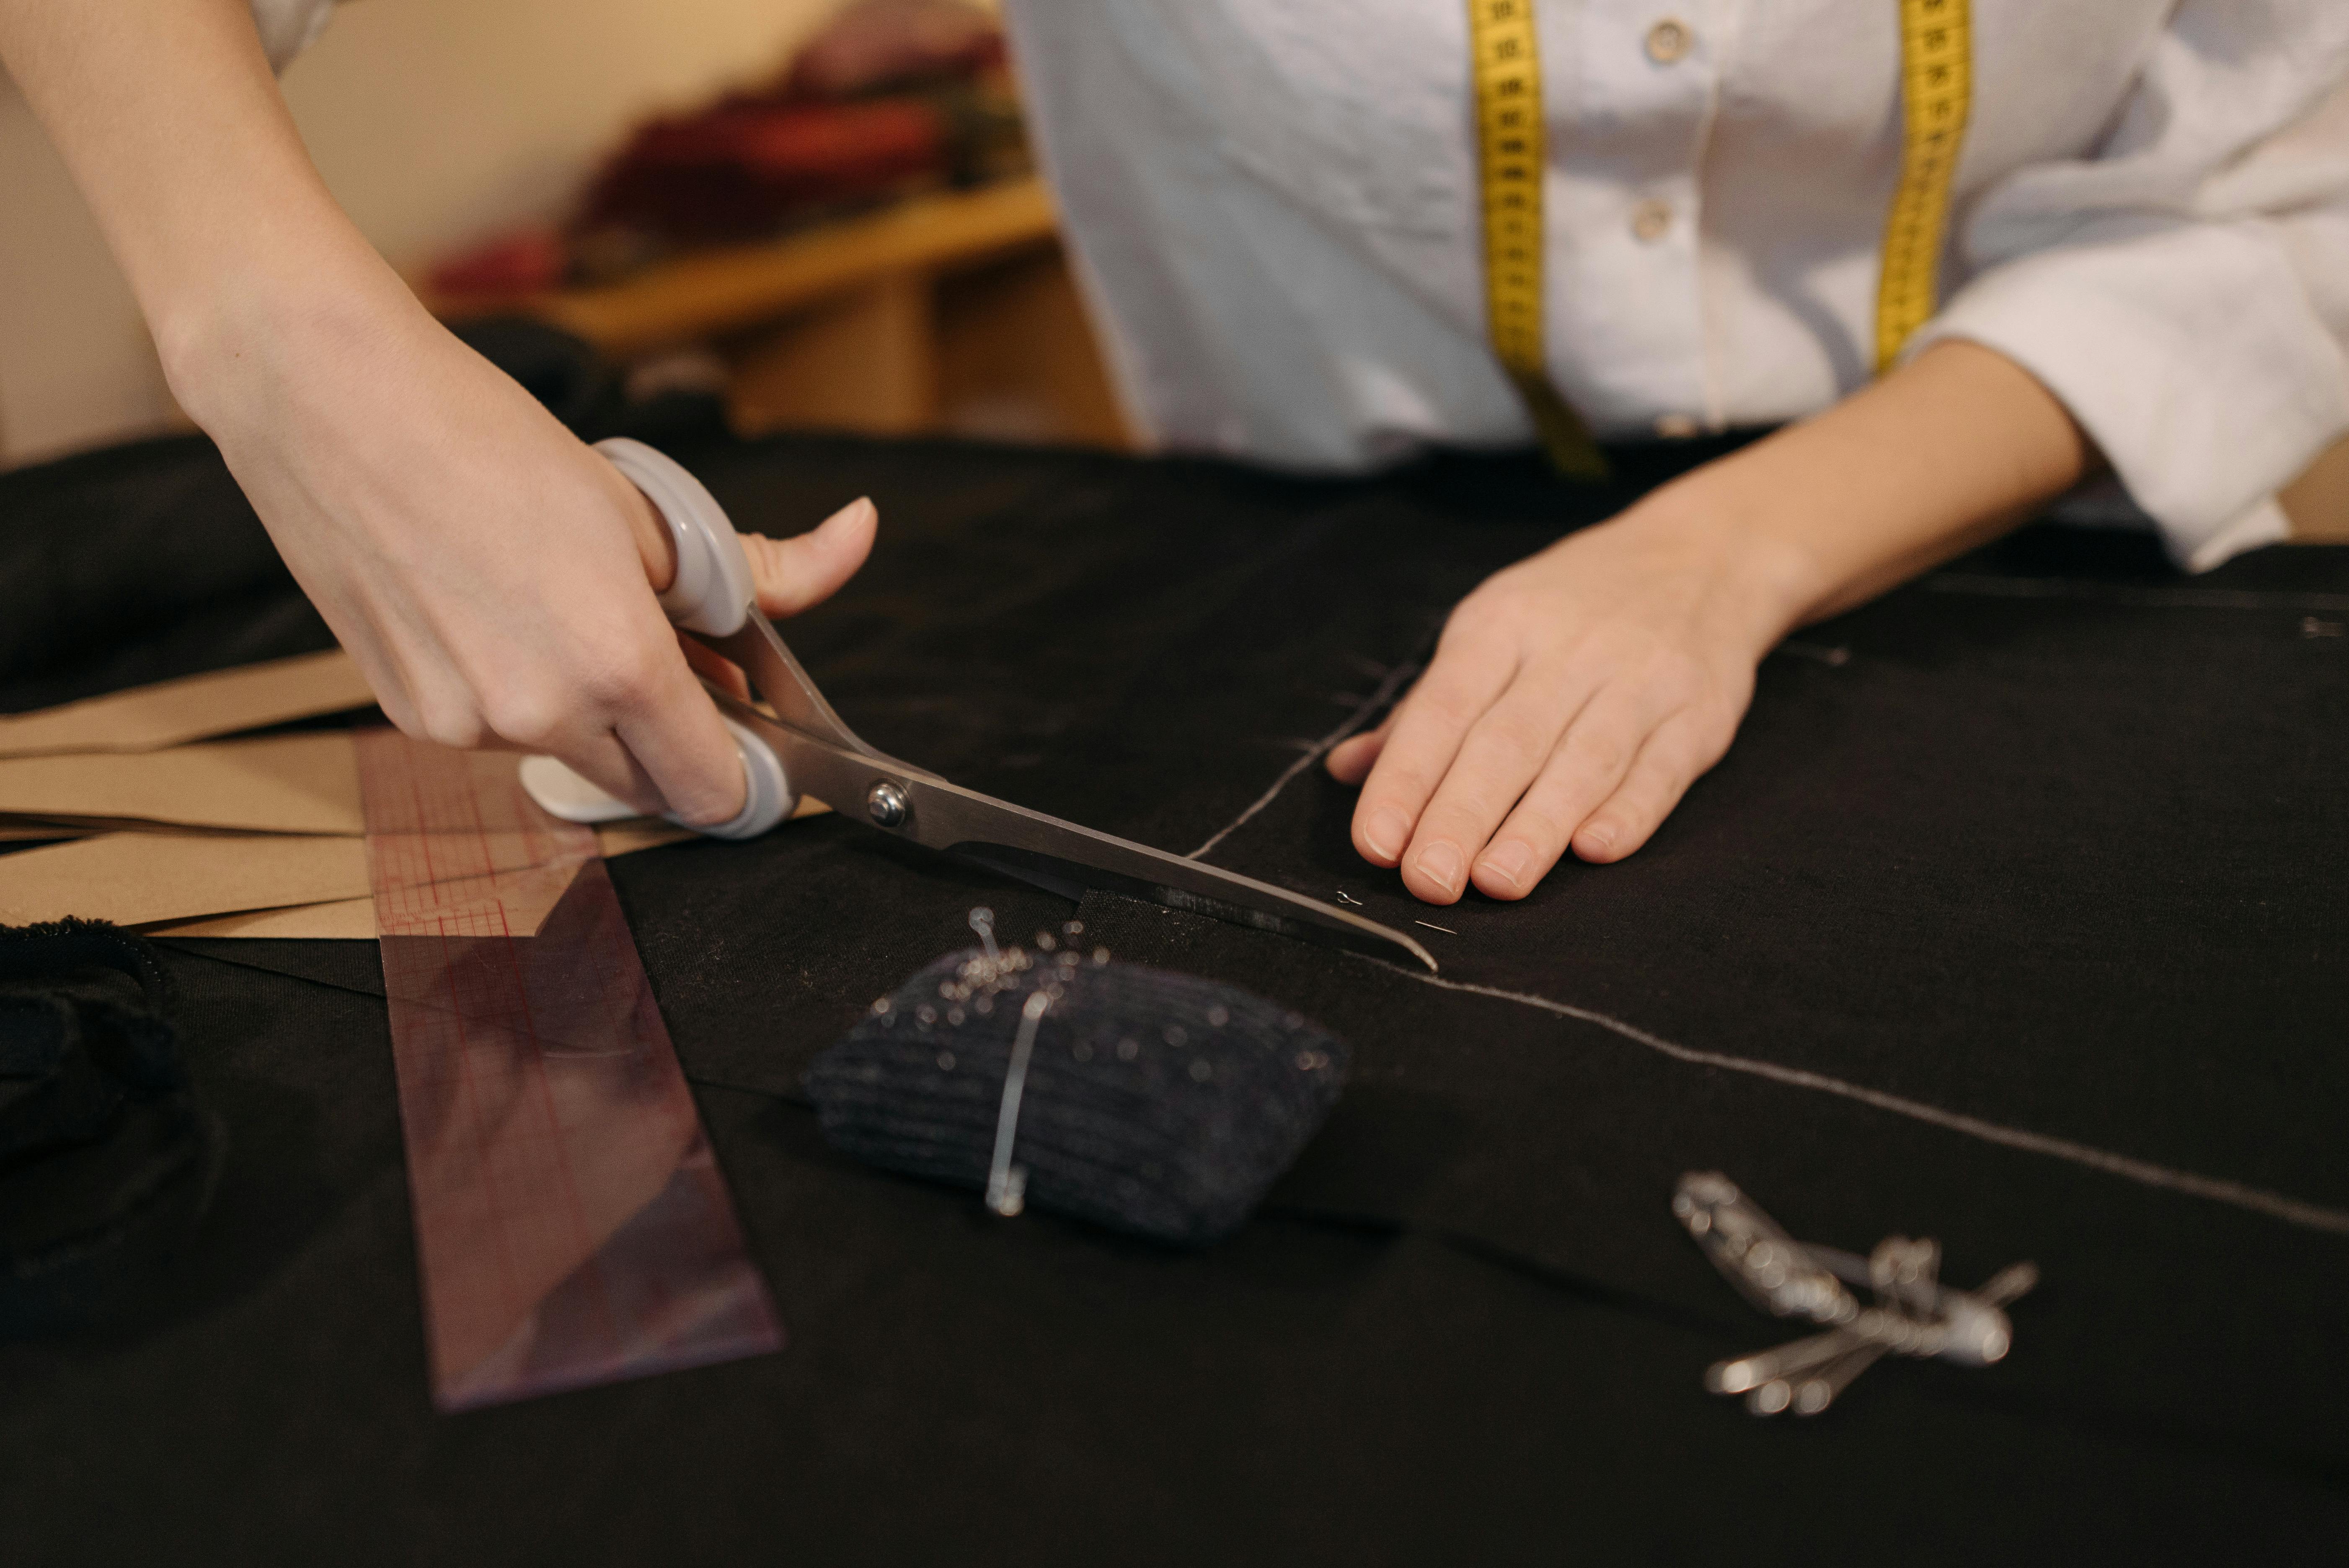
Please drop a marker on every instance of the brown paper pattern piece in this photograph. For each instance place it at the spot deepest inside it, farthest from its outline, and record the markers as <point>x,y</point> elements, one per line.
<point>305,783</point>
<point>136,879</point>
<point>353,919</point>
<point>171,713</point>
<point>183,883</point>
<point>345,920</point>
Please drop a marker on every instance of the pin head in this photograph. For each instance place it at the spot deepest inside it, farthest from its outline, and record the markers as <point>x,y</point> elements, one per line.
<point>1006,1194</point>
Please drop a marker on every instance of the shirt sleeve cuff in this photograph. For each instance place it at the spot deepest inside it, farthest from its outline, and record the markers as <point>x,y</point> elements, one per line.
<point>2188,352</point>
<point>289,26</point>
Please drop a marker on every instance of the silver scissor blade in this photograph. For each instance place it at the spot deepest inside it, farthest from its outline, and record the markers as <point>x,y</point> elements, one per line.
<point>1059,856</point>
<point>776,675</point>
<point>1239,900</point>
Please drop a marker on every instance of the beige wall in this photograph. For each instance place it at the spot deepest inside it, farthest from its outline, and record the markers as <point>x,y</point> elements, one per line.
<point>433,120</point>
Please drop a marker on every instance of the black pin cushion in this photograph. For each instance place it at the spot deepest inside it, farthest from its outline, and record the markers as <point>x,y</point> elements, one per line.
<point>1156,1103</point>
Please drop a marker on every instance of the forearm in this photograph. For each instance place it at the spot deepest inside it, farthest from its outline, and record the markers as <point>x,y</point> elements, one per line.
<point>256,286</point>
<point>167,115</point>
<point>1947,452</point>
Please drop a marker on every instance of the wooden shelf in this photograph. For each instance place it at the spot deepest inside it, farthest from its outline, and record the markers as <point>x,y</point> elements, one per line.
<point>713,294</point>
<point>952,312</point>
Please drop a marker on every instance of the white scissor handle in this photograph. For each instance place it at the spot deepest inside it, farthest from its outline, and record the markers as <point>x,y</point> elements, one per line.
<point>712,592</point>
<point>768,797</point>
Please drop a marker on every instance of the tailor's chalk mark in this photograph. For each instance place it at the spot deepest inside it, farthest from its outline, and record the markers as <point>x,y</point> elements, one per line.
<point>1368,706</point>
<point>2218,1189</point>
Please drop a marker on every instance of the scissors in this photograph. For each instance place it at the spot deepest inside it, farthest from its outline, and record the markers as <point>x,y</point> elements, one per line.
<point>801,746</point>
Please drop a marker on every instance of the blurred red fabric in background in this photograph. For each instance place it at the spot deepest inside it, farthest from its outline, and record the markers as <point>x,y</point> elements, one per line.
<point>892,97</point>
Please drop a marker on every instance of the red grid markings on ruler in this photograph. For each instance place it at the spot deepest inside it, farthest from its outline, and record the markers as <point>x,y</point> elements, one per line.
<point>572,1225</point>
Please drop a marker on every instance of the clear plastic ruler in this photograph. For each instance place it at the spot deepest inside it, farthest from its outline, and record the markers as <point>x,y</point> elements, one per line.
<point>572,1225</point>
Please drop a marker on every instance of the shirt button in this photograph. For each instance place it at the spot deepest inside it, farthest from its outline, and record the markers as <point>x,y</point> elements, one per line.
<point>1676,426</point>
<point>1667,40</point>
<point>1650,221</point>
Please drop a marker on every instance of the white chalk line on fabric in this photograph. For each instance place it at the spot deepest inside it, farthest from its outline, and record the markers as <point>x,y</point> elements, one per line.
<point>1369,705</point>
<point>2140,596</point>
<point>2292,1211</point>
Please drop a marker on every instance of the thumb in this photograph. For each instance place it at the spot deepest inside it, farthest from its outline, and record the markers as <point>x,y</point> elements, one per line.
<point>793,573</point>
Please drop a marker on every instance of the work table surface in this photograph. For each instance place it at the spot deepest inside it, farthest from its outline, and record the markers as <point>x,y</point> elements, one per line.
<point>2014,918</point>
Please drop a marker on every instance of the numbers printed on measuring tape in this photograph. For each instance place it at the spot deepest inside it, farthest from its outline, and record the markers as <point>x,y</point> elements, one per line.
<point>1509,145</point>
<point>1936,94</point>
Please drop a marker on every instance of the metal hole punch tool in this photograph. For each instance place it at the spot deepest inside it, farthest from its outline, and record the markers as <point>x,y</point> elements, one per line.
<point>802,746</point>
<point>1914,1314</point>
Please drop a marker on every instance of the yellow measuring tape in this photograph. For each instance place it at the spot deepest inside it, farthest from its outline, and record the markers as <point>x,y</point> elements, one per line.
<point>1509,136</point>
<point>1937,95</point>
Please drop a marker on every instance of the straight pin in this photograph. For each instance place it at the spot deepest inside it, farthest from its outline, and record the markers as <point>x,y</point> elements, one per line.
<point>1007,1184</point>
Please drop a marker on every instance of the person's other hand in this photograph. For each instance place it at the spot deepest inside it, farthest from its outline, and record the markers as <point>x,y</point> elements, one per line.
<point>494,576</point>
<point>1572,699</point>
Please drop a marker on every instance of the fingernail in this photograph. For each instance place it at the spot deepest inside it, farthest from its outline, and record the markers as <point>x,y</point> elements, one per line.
<point>1386,832</point>
<point>1440,864</point>
<point>1599,839</point>
<point>1508,862</point>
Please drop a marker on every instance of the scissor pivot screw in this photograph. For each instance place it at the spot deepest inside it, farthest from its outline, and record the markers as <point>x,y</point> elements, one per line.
<point>886,804</point>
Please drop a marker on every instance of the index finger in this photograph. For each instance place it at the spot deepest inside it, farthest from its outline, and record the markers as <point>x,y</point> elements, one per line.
<point>669,726</point>
<point>1462,680</point>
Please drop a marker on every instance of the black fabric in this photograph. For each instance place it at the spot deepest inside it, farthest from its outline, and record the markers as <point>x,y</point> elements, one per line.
<point>1153,1103</point>
<point>106,1160</point>
<point>2051,841</point>
<point>121,563</point>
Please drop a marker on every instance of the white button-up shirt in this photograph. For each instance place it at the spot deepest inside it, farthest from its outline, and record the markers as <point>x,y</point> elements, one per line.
<point>1274,205</point>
